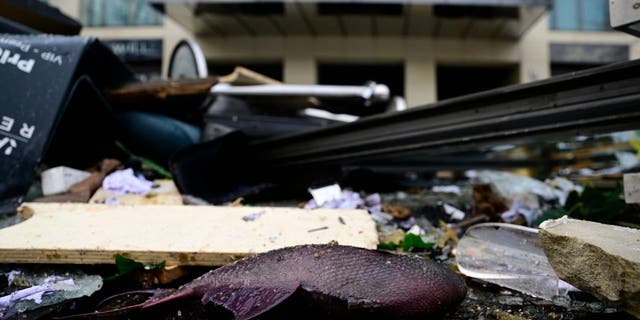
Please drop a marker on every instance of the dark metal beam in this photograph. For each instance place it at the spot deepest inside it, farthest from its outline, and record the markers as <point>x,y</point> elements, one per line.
<point>604,99</point>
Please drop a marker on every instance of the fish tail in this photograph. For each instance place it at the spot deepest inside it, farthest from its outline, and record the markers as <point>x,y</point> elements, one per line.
<point>158,296</point>
<point>168,295</point>
<point>103,314</point>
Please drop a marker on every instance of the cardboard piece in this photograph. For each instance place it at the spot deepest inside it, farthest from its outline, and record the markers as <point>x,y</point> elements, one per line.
<point>242,76</point>
<point>159,89</point>
<point>178,235</point>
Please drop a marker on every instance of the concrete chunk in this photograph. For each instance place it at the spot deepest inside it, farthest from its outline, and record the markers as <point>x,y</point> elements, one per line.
<point>601,259</point>
<point>631,187</point>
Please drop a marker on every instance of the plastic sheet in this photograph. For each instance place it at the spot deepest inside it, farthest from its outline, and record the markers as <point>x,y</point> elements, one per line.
<point>509,256</point>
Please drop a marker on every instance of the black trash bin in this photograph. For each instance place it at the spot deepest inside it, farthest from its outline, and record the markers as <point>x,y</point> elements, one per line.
<point>45,80</point>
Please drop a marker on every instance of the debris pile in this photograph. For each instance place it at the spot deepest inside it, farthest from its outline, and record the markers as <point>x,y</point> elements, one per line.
<point>254,178</point>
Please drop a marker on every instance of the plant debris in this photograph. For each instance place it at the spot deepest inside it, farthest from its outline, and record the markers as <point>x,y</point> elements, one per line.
<point>591,204</point>
<point>126,266</point>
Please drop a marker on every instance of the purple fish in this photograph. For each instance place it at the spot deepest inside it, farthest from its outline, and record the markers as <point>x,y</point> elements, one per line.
<point>346,280</point>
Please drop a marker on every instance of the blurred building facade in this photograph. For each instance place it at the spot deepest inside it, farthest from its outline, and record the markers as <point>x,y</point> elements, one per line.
<point>425,51</point>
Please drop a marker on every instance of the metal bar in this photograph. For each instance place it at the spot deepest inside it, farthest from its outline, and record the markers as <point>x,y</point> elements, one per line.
<point>597,100</point>
<point>445,126</point>
<point>374,92</point>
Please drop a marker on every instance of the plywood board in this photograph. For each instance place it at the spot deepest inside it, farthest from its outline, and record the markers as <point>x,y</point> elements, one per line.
<point>178,235</point>
<point>242,76</point>
<point>163,192</point>
<point>160,89</point>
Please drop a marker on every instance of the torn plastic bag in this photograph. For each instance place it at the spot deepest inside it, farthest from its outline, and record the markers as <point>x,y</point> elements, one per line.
<point>510,256</point>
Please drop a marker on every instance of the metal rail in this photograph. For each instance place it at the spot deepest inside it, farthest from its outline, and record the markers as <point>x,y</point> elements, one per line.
<point>603,99</point>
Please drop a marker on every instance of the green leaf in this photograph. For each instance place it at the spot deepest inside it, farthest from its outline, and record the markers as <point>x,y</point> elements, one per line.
<point>126,265</point>
<point>597,205</point>
<point>147,163</point>
<point>412,241</point>
<point>592,204</point>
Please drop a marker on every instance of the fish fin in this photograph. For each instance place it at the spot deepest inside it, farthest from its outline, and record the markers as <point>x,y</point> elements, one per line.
<point>168,295</point>
<point>158,296</point>
<point>104,314</point>
<point>151,293</point>
<point>248,302</point>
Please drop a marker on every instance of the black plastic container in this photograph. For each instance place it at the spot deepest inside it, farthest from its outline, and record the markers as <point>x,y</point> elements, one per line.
<point>44,79</point>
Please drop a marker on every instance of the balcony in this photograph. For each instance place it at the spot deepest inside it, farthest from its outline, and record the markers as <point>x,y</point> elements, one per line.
<point>491,19</point>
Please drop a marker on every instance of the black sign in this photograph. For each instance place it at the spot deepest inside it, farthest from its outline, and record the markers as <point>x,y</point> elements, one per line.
<point>39,75</point>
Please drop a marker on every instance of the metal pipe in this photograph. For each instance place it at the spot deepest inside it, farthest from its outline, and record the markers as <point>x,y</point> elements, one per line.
<point>372,92</point>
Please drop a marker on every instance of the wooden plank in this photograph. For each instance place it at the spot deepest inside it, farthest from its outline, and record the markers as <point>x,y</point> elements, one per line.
<point>164,192</point>
<point>244,77</point>
<point>160,89</point>
<point>178,235</point>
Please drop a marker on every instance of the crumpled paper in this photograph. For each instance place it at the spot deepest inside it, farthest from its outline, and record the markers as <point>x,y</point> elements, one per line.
<point>125,181</point>
<point>350,200</point>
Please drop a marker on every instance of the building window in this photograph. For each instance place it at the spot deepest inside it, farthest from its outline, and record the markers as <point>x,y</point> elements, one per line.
<point>584,15</point>
<point>475,11</point>
<point>248,8</point>
<point>101,13</point>
<point>355,8</point>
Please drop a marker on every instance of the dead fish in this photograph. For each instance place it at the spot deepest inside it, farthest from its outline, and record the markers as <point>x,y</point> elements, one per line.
<point>370,282</point>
